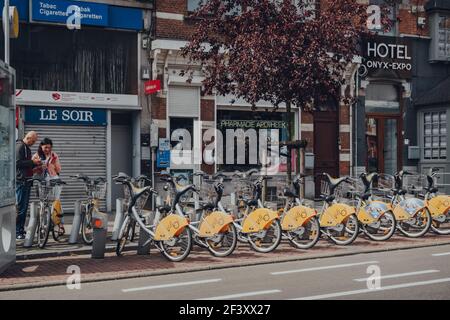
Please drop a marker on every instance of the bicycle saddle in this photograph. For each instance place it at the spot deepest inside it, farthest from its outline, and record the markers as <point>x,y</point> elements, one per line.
<point>56,182</point>
<point>289,193</point>
<point>334,182</point>
<point>164,209</point>
<point>208,206</point>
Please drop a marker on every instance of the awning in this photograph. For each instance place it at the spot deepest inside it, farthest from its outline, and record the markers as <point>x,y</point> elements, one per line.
<point>440,94</point>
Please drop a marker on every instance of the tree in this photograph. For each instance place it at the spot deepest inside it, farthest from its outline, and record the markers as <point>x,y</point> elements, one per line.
<point>282,51</point>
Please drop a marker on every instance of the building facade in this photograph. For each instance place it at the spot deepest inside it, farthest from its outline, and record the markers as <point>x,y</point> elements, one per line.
<point>82,85</point>
<point>179,104</point>
<point>401,116</point>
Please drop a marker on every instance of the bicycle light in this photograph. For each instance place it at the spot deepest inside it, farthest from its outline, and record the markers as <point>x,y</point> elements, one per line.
<point>98,223</point>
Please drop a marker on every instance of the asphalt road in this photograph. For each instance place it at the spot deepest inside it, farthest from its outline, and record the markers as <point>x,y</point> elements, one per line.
<point>422,273</point>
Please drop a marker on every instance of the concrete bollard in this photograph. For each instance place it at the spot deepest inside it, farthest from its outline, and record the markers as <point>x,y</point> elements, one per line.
<point>76,224</point>
<point>117,220</point>
<point>32,225</point>
<point>100,222</point>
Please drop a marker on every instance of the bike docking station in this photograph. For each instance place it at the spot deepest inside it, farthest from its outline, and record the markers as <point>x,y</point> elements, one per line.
<point>76,224</point>
<point>118,219</point>
<point>100,226</point>
<point>32,225</point>
<point>145,240</point>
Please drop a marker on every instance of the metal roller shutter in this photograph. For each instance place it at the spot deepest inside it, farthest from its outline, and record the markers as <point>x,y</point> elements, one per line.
<point>184,101</point>
<point>81,149</point>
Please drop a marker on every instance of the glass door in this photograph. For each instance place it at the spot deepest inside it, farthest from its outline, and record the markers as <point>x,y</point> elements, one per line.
<point>382,144</point>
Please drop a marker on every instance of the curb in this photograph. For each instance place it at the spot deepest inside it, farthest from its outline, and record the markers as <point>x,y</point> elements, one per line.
<point>81,251</point>
<point>136,275</point>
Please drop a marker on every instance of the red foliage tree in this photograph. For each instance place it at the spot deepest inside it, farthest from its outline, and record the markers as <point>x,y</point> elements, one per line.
<point>282,51</point>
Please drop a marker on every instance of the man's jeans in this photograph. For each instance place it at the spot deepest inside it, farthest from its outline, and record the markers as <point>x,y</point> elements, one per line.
<point>23,190</point>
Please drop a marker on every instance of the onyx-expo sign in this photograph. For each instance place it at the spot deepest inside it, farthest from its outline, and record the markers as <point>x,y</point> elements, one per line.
<point>387,56</point>
<point>65,116</point>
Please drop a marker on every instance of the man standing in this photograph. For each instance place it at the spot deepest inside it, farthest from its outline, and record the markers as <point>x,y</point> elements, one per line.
<point>24,171</point>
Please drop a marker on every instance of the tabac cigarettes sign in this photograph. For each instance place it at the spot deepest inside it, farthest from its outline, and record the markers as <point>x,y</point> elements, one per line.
<point>387,56</point>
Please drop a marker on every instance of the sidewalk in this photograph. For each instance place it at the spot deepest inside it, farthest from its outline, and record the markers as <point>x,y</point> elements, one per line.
<point>52,270</point>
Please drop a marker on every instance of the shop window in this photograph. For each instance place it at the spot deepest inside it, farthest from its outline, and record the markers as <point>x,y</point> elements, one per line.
<point>435,135</point>
<point>54,58</point>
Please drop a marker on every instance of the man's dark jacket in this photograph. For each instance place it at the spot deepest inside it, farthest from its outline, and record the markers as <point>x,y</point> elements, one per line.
<point>24,164</point>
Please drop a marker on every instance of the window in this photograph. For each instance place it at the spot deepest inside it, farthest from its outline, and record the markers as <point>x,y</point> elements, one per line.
<point>392,16</point>
<point>194,5</point>
<point>443,37</point>
<point>435,135</point>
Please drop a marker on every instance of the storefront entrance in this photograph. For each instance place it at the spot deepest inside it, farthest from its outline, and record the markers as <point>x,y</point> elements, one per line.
<point>325,146</point>
<point>382,138</point>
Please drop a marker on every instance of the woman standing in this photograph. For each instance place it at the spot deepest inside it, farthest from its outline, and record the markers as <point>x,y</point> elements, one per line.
<point>51,169</point>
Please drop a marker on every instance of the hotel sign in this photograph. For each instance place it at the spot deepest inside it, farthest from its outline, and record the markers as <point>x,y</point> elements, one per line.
<point>387,57</point>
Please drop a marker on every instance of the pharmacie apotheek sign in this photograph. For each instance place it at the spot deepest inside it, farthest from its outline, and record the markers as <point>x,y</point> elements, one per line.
<point>387,56</point>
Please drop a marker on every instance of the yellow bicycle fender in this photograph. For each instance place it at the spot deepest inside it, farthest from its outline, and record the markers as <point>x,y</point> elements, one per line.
<point>297,217</point>
<point>408,208</point>
<point>439,205</point>
<point>373,211</point>
<point>214,223</point>
<point>170,227</point>
<point>336,214</point>
<point>258,220</point>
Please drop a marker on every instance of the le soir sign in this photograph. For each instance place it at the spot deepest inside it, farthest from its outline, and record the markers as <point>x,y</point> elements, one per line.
<point>388,56</point>
<point>65,116</point>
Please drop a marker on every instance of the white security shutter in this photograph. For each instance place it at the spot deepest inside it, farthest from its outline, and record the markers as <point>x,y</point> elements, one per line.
<point>82,149</point>
<point>184,101</point>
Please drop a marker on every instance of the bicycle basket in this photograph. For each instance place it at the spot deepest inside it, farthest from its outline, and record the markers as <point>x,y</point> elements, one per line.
<point>384,182</point>
<point>207,192</point>
<point>324,187</point>
<point>48,192</point>
<point>347,191</point>
<point>243,188</point>
<point>97,191</point>
<point>414,183</point>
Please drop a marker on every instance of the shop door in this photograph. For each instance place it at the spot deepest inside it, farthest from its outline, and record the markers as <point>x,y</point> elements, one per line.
<point>325,146</point>
<point>382,144</point>
<point>121,155</point>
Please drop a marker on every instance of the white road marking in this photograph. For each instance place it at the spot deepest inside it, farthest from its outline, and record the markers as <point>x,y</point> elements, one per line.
<point>362,291</point>
<point>398,275</point>
<point>324,267</point>
<point>171,285</point>
<point>241,295</point>
<point>441,254</point>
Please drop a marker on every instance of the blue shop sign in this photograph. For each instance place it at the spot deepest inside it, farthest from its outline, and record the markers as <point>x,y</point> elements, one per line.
<point>65,116</point>
<point>95,14</point>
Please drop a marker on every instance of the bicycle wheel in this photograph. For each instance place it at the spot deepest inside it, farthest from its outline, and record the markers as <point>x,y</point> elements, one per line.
<point>177,248</point>
<point>223,244</point>
<point>418,225</point>
<point>307,237</point>
<point>124,234</point>
<point>441,225</point>
<point>45,223</point>
<point>267,240</point>
<point>383,229</point>
<point>87,229</point>
<point>348,234</point>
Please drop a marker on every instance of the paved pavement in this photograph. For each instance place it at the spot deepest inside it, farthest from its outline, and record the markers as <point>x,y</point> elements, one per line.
<point>420,273</point>
<point>52,270</point>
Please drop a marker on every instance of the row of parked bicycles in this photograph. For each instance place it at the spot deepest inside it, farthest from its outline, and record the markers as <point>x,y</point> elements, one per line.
<point>375,205</point>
